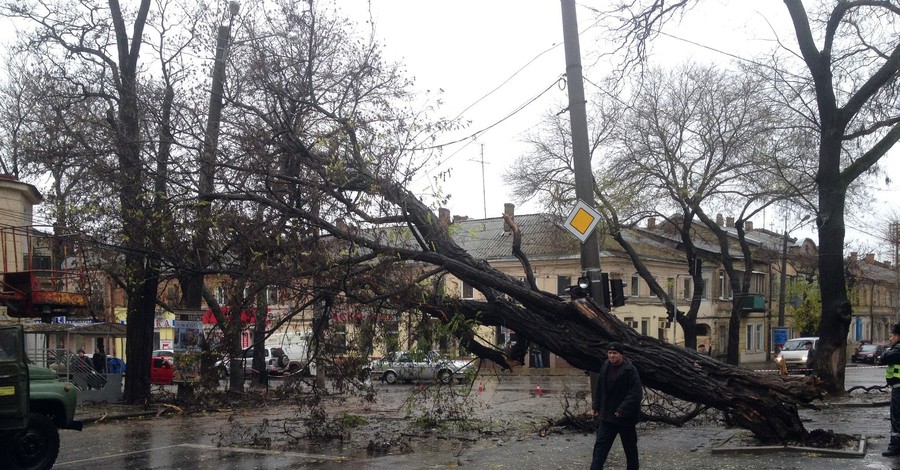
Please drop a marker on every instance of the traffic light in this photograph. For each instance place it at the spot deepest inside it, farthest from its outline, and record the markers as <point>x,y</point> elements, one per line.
<point>618,292</point>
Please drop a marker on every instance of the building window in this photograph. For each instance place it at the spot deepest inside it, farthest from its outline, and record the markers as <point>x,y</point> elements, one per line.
<point>634,286</point>
<point>688,283</point>
<point>467,291</point>
<point>651,293</point>
<point>220,295</point>
<point>563,283</point>
<point>271,295</point>
<point>755,337</point>
<point>706,288</point>
<point>670,287</point>
<point>645,326</point>
<point>725,291</point>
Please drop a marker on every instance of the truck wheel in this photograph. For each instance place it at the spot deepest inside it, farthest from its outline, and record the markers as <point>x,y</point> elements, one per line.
<point>33,448</point>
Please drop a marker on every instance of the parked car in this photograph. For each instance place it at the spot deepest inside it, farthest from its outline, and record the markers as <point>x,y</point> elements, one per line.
<point>162,372</point>
<point>277,361</point>
<point>169,354</point>
<point>794,353</point>
<point>408,366</point>
<point>870,353</point>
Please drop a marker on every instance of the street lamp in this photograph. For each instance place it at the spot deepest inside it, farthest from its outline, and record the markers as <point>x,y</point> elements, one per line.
<point>782,288</point>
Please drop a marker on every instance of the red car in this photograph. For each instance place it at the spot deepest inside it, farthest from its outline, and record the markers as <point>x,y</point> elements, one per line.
<point>161,371</point>
<point>870,353</point>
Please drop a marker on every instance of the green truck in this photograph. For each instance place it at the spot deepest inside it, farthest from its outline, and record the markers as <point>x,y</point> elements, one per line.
<point>34,405</point>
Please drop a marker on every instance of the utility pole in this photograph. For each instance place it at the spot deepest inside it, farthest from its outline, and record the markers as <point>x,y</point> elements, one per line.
<point>782,289</point>
<point>206,180</point>
<point>584,177</point>
<point>483,186</point>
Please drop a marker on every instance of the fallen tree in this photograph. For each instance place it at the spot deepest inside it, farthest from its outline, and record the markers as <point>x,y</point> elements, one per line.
<point>337,170</point>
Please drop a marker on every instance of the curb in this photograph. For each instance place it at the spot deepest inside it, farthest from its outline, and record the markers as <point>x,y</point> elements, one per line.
<point>732,450</point>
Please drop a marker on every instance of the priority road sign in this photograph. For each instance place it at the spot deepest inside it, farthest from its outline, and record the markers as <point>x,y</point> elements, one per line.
<point>582,220</point>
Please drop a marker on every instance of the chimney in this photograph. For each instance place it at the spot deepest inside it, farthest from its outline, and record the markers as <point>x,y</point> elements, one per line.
<point>870,258</point>
<point>729,222</point>
<point>444,217</point>
<point>719,220</point>
<point>748,226</point>
<point>510,210</point>
<point>651,223</point>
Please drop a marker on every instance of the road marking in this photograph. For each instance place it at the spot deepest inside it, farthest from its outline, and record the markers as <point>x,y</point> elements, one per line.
<point>301,455</point>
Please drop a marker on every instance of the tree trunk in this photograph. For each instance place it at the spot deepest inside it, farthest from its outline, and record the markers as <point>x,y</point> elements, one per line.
<point>579,330</point>
<point>831,353</point>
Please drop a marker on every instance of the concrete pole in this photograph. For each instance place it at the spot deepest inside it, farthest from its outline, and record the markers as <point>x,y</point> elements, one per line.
<point>782,289</point>
<point>584,178</point>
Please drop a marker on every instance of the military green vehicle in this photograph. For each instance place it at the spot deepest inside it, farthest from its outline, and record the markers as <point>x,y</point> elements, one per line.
<point>34,405</point>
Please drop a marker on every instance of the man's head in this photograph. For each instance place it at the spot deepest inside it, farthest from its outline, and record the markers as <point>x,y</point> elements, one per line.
<point>807,345</point>
<point>614,353</point>
<point>895,333</point>
<point>81,352</point>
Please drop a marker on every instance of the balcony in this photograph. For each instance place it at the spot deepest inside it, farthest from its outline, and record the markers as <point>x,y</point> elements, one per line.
<point>753,303</point>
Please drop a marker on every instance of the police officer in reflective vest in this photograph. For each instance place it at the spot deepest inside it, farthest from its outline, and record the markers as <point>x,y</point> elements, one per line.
<point>891,358</point>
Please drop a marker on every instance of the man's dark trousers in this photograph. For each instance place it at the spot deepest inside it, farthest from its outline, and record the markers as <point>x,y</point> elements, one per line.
<point>894,446</point>
<point>606,435</point>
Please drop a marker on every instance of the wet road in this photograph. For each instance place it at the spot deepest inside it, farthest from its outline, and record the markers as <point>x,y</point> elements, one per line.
<point>216,442</point>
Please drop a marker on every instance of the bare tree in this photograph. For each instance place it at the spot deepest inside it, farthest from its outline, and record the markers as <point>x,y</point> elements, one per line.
<point>850,55</point>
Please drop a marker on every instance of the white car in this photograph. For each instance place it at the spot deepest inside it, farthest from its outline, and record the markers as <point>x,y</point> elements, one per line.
<point>408,366</point>
<point>276,361</point>
<point>795,353</point>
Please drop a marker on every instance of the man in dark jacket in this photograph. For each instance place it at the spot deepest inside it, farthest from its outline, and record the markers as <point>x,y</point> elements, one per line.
<point>891,358</point>
<point>618,405</point>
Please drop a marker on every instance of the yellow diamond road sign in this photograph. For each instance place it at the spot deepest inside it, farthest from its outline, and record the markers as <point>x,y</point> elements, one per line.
<point>582,220</point>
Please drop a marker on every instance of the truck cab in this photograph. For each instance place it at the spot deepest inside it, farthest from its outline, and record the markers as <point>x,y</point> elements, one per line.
<point>34,405</point>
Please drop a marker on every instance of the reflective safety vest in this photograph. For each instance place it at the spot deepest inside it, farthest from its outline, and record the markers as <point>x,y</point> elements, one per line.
<point>892,372</point>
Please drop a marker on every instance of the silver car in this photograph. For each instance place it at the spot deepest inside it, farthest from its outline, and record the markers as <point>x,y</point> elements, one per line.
<point>276,362</point>
<point>409,366</point>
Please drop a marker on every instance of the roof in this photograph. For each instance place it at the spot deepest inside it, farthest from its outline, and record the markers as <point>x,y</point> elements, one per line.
<point>543,237</point>
<point>91,329</point>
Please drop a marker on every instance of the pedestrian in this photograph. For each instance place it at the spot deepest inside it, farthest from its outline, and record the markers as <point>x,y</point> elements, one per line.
<point>82,363</point>
<point>99,361</point>
<point>537,358</point>
<point>891,358</point>
<point>617,402</point>
<point>810,357</point>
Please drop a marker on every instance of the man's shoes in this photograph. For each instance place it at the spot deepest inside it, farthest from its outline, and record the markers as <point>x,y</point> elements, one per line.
<point>891,452</point>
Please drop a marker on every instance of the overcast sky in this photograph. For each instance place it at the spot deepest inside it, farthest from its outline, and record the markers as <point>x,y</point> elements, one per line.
<point>511,52</point>
<point>492,57</point>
